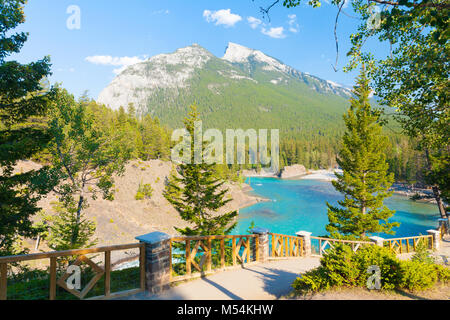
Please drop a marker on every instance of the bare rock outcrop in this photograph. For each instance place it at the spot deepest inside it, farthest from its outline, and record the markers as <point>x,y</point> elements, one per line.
<point>297,170</point>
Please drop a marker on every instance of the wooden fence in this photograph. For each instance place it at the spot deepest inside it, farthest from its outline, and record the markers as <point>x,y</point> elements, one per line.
<point>324,244</point>
<point>408,244</point>
<point>284,246</point>
<point>189,257</point>
<point>99,270</point>
<point>192,257</point>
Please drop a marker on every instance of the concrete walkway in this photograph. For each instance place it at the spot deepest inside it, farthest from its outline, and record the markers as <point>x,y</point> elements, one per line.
<point>266,281</point>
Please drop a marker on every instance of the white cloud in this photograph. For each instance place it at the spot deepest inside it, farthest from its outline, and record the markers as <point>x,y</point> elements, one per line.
<point>277,33</point>
<point>293,24</point>
<point>254,22</point>
<point>222,17</point>
<point>162,11</point>
<point>121,62</point>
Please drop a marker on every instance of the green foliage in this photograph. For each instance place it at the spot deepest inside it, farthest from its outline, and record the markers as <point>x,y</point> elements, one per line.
<point>24,99</point>
<point>443,273</point>
<point>315,280</point>
<point>197,195</point>
<point>413,78</point>
<point>383,258</point>
<point>418,275</point>
<point>86,151</point>
<point>60,229</point>
<point>34,284</point>
<point>365,181</point>
<point>422,254</point>
<point>145,191</point>
<point>251,227</point>
<point>341,267</point>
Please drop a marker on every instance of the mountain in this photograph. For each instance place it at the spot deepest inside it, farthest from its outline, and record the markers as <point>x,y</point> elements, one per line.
<point>244,89</point>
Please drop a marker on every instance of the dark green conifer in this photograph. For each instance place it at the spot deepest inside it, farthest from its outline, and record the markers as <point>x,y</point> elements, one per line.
<point>197,194</point>
<point>365,181</point>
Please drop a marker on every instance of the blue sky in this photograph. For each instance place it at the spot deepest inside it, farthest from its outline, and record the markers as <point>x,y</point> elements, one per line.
<point>115,33</point>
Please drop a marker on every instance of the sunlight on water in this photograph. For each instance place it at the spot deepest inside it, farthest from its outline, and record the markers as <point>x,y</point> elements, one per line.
<point>301,205</point>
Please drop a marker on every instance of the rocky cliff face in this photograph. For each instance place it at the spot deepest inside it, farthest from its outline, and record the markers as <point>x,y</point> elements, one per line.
<point>294,171</point>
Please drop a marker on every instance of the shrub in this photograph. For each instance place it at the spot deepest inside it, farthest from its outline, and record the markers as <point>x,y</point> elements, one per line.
<point>383,258</point>
<point>422,254</point>
<point>312,281</point>
<point>139,196</point>
<point>336,268</point>
<point>340,266</point>
<point>418,275</point>
<point>145,191</point>
<point>443,273</point>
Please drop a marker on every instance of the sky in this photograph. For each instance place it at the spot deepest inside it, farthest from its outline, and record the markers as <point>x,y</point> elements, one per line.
<point>90,41</point>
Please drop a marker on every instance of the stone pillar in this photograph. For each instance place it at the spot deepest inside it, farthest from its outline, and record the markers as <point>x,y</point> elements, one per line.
<point>444,225</point>
<point>157,261</point>
<point>436,238</point>
<point>377,240</point>
<point>307,250</point>
<point>263,244</point>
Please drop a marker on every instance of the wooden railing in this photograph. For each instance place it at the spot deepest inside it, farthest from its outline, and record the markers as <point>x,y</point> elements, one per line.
<point>408,244</point>
<point>101,271</point>
<point>325,244</point>
<point>198,256</point>
<point>284,246</point>
<point>443,229</point>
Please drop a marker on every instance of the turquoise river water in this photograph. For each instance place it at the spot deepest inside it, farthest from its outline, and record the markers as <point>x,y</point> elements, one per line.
<point>297,205</point>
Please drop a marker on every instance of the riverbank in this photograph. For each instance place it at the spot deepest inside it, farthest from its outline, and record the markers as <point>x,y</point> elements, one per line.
<point>297,172</point>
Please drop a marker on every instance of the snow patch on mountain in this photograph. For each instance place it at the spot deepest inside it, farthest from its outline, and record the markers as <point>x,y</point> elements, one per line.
<point>235,53</point>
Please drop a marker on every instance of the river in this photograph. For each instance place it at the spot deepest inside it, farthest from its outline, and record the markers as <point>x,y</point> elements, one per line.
<point>297,205</point>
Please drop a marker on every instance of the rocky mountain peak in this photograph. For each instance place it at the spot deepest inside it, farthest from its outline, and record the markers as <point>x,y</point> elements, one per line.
<point>236,53</point>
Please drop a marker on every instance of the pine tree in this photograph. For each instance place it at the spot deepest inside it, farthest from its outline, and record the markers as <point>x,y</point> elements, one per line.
<point>365,181</point>
<point>59,228</point>
<point>195,193</point>
<point>24,99</point>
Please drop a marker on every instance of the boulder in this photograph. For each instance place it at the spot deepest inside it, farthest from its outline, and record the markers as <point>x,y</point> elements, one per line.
<point>294,171</point>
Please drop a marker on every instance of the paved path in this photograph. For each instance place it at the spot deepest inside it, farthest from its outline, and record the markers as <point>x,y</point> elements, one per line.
<point>266,281</point>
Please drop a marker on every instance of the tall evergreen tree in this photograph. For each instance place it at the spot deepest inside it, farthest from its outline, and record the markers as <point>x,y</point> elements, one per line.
<point>197,194</point>
<point>365,181</point>
<point>23,100</point>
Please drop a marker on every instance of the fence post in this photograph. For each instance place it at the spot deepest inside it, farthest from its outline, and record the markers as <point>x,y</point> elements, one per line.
<point>263,244</point>
<point>377,240</point>
<point>436,238</point>
<point>157,261</point>
<point>307,250</point>
<point>3,281</point>
<point>444,226</point>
